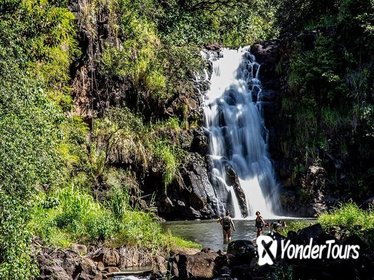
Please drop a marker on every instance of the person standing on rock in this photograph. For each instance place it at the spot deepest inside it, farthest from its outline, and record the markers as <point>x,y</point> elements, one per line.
<point>227,227</point>
<point>260,223</point>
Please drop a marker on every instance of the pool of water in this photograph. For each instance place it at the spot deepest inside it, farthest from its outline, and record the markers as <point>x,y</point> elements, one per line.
<point>209,233</point>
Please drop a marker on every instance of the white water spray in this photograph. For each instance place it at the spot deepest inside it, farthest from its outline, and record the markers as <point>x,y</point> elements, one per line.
<point>238,136</point>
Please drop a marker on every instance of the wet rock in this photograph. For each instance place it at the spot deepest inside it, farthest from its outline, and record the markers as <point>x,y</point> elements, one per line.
<point>88,266</point>
<point>99,277</point>
<point>315,182</point>
<point>100,266</point>
<point>67,264</point>
<point>354,239</point>
<point>213,47</point>
<point>243,271</point>
<point>97,254</point>
<point>224,273</point>
<point>71,263</point>
<point>200,142</point>
<point>233,180</point>
<point>134,257</point>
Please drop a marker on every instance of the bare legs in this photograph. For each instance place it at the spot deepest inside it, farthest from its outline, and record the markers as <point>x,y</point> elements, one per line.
<point>226,236</point>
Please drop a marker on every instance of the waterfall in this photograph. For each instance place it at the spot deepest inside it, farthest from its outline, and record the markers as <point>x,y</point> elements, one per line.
<point>238,137</point>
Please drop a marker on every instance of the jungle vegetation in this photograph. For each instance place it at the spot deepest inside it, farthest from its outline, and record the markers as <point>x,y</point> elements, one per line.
<point>84,95</point>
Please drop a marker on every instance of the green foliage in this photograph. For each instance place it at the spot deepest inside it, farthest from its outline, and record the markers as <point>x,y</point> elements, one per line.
<point>118,202</point>
<point>349,219</point>
<point>330,84</point>
<point>295,226</point>
<point>166,153</point>
<point>52,40</point>
<point>293,16</point>
<point>69,215</point>
<point>119,136</point>
<point>73,147</point>
<point>180,64</point>
<point>36,48</point>
<point>29,159</point>
<point>154,55</point>
<point>348,216</point>
<point>316,69</point>
<point>159,53</point>
<point>137,58</point>
<point>231,23</point>
<point>41,36</point>
<point>140,229</point>
<point>75,217</point>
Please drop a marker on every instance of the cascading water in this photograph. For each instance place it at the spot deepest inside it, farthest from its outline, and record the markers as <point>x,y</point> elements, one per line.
<point>237,141</point>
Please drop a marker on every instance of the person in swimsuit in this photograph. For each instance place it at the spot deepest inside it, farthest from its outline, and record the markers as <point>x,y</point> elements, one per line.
<point>260,223</point>
<point>227,227</point>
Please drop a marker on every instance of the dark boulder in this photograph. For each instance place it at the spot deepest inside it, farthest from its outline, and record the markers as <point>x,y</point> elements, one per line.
<point>242,252</point>
<point>314,231</point>
<point>191,195</point>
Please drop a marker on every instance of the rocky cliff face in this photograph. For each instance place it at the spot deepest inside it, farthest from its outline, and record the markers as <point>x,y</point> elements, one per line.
<point>191,194</point>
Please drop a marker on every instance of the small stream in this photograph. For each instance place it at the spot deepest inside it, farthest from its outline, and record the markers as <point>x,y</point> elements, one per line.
<point>209,233</point>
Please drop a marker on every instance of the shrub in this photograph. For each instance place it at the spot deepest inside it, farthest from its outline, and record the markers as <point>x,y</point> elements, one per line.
<point>118,202</point>
<point>76,217</point>
<point>348,216</point>
<point>166,153</point>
